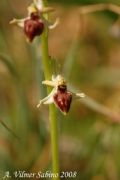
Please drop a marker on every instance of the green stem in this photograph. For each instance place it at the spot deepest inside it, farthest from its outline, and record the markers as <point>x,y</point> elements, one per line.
<point>52,109</point>
<point>54,140</point>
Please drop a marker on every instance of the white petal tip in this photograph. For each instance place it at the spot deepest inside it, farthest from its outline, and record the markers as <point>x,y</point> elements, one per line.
<point>55,24</point>
<point>43,82</point>
<point>81,95</point>
<point>38,105</point>
<point>13,21</point>
<point>38,4</point>
<point>19,22</point>
<point>64,113</point>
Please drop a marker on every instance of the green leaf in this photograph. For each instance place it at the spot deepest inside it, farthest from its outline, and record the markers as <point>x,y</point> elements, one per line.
<point>8,129</point>
<point>9,64</point>
<point>70,59</point>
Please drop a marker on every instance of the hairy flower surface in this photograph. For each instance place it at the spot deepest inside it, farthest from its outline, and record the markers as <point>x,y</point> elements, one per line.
<point>33,26</point>
<point>60,96</point>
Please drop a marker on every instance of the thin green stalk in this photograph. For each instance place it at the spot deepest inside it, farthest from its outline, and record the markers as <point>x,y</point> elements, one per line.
<point>52,109</point>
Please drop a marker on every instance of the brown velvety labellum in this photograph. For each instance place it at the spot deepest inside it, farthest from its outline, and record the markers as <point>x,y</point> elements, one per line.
<point>33,27</point>
<point>63,99</point>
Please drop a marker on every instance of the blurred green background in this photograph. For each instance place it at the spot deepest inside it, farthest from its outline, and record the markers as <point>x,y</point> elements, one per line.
<point>86,50</point>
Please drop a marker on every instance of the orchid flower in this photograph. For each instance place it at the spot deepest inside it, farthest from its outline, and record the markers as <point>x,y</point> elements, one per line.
<point>34,24</point>
<point>60,96</point>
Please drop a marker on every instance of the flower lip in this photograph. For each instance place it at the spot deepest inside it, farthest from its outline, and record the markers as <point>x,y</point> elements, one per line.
<point>33,26</point>
<point>62,100</point>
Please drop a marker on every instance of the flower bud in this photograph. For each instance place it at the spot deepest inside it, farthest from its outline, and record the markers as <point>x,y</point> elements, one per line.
<point>33,26</point>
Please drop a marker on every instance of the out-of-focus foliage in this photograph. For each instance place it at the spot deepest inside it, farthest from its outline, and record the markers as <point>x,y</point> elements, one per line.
<point>86,51</point>
<point>69,2</point>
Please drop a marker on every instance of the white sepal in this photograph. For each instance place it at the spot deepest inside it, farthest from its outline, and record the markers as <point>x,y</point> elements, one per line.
<point>48,99</point>
<point>52,26</point>
<point>19,22</point>
<point>38,4</point>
